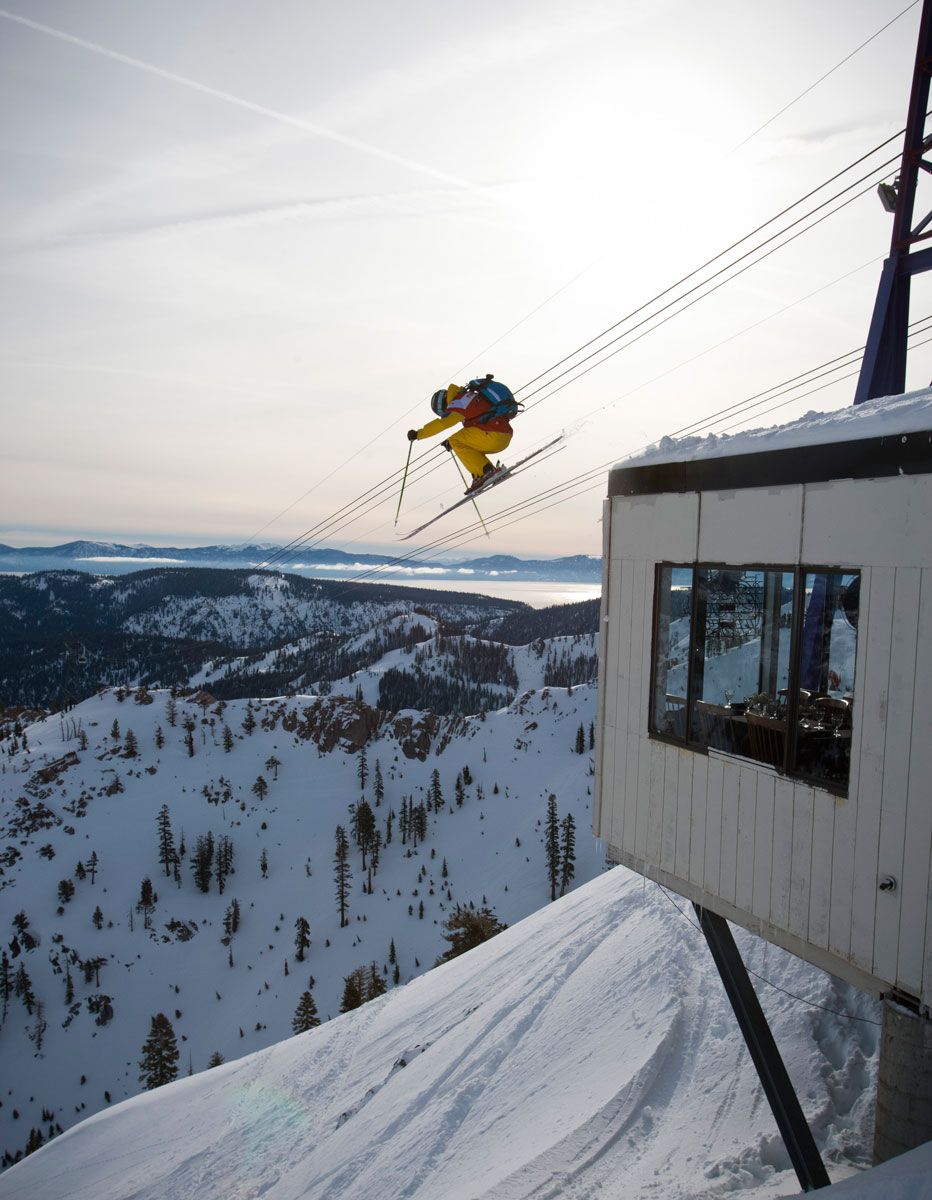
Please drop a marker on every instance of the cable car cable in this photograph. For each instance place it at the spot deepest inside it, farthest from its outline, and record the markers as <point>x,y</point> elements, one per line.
<point>709,262</point>
<point>678,299</point>
<point>822,78</point>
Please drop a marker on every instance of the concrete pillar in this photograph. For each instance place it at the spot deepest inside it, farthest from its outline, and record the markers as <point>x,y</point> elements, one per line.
<point>904,1082</point>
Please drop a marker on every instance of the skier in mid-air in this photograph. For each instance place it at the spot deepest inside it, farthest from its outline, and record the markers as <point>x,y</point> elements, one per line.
<point>483,407</point>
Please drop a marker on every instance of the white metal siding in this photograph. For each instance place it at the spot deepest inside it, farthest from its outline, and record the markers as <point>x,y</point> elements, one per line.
<point>790,861</point>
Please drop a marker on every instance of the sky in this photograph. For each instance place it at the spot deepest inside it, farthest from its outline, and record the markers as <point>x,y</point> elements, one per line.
<point>241,244</point>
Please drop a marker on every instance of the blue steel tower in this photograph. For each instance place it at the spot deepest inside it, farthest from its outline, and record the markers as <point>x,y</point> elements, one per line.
<point>883,370</point>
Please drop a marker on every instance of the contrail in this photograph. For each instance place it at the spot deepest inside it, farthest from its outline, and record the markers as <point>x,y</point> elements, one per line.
<point>260,109</point>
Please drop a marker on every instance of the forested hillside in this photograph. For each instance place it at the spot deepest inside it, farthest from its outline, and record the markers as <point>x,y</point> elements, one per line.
<point>64,633</point>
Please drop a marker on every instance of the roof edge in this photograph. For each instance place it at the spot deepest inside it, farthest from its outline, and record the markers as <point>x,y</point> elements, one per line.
<point>866,458</point>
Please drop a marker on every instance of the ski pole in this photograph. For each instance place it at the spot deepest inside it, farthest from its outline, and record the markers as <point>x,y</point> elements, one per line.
<point>404,480</point>
<point>474,504</point>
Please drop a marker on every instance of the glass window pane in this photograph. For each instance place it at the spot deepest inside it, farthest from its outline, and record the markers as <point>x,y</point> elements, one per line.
<point>741,655</point>
<point>671,651</point>
<point>828,647</point>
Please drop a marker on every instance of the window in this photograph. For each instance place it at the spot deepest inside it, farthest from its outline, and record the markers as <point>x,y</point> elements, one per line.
<point>758,662</point>
<point>671,663</point>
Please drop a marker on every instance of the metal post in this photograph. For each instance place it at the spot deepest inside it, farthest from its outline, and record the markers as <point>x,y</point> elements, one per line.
<point>783,1100</point>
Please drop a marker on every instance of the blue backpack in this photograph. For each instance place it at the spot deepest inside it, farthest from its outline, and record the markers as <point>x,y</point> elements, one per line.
<point>499,397</point>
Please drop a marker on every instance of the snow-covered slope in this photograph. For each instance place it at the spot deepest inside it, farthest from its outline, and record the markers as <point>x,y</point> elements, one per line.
<point>588,1051</point>
<point>61,804</point>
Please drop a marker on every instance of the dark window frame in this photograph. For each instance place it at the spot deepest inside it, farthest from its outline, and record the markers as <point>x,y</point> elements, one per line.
<point>799,571</point>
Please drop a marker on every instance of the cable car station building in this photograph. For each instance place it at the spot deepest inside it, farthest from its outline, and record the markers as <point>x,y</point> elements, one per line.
<point>765,702</point>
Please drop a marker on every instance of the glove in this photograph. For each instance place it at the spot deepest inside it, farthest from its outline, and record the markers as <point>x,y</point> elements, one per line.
<point>412,435</point>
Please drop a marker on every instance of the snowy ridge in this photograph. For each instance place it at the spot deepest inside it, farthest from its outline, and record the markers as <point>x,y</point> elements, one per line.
<point>587,1051</point>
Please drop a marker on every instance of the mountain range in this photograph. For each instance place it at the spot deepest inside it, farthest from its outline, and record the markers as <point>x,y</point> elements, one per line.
<point>322,563</point>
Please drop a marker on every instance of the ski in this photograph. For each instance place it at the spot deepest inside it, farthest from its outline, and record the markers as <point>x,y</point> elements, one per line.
<point>500,478</point>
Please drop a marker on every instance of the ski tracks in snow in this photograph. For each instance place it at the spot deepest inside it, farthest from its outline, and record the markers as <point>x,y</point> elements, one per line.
<point>484,1037</point>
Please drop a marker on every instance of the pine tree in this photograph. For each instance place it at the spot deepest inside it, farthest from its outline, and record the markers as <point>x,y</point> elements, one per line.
<point>305,1016</point>
<point>93,865</point>
<point>215,1060</point>
<point>159,1062</point>
<point>435,792</point>
<point>302,937</point>
<point>21,925</point>
<point>592,735</point>
<point>98,918</point>
<point>167,853</point>
<point>146,902</point>
<point>224,861</point>
<point>420,822</point>
<point>202,861</point>
<point>341,873</point>
<point>552,844</point>
<point>227,739</point>
<point>130,745</point>
<point>467,927</point>
<point>378,786</point>
<point>249,721</point>
<point>580,740</point>
<point>115,730</point>
<point>159,737</point>
<point>354,990</point>
<point>375,985</point>
<point>362,827</point>
<point>272,764</point>
<point>260,789</point>
<point>362,770</point>
<point>6,984</point>
<point>402,821</point>
<point>264,863</point>
<point>567,852</point>
<point>171,711</point>
<point>65,891</point>
<point>22,987</point>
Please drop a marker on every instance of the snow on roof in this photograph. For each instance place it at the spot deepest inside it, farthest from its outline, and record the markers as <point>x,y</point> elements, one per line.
<point>884,417</point>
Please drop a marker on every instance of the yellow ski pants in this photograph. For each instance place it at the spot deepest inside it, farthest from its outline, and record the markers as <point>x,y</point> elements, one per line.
<point>473,446</point>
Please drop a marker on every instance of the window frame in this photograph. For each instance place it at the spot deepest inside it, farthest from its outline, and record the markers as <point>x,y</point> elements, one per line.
<point>799,571</point>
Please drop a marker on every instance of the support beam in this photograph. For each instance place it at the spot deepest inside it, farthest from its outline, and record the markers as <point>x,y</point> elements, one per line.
<point>778,1089</point>
<point>883,369</point>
